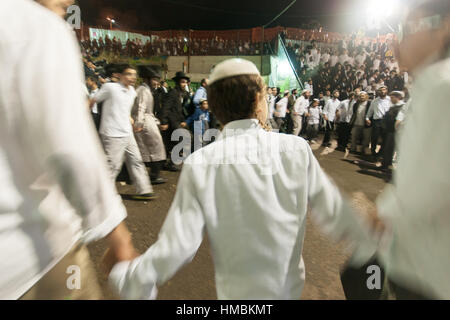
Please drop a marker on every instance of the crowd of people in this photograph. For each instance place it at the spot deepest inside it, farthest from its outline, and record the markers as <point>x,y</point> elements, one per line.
<point>359,118</point>
<point>177,46</point>
<point>155,111</point>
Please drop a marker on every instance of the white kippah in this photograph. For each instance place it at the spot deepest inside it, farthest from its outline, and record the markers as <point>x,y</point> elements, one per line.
<point>399,93</point>
<point>232,67</point>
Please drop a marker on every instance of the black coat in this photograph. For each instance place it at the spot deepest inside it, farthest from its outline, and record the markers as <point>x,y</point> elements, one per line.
<point>172,112</point>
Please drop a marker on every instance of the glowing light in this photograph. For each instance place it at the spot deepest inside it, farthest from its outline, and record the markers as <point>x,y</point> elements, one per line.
<point>379,10</point>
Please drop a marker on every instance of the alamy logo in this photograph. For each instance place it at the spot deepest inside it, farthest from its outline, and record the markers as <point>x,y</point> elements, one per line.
<point>74,280</point>
<point>374,281</point>
<point>73,16</point>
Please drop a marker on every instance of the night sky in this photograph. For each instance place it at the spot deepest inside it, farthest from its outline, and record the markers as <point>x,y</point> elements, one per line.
<point>339,15</point>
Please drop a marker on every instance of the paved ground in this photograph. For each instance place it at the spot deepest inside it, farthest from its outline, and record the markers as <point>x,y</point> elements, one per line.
<point>323,258</point>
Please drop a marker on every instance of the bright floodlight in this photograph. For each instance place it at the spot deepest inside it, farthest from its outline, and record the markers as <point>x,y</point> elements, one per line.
<point>379,10</point>
<point>113,21</point>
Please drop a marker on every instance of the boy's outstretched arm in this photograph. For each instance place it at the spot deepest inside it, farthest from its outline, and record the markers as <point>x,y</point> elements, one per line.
<point>177,244</point>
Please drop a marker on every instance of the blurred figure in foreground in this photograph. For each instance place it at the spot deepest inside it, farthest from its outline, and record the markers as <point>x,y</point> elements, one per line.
<point>416,207</point>
<point>57,193</point>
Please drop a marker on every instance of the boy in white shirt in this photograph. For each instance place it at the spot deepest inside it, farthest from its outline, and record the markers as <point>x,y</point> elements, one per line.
<point>313,120</point>
<point>249,191</point>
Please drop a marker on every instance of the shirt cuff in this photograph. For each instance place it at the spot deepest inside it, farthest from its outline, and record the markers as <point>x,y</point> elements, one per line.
<point>132,289</point>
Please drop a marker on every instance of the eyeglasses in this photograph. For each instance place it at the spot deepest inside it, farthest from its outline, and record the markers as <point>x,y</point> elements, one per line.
<point>421,25</point>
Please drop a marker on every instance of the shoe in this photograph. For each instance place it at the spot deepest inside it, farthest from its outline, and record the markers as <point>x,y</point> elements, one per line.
<point>158,181</point>
<point>144,197</point>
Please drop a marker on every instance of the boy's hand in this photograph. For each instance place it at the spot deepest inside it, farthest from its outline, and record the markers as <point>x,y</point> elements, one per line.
<point>120,248</point>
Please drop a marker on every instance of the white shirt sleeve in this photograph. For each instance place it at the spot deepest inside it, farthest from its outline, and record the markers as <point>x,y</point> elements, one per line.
<point>103,93</point>
<point>48,125</point>
<point>177,244</point>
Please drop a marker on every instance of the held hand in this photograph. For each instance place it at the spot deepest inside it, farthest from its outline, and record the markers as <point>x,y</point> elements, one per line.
<point>112,257</point>
<point>138,129</point>
<point>120,248</point>
<point>164,127</point>
<point>368,122</point>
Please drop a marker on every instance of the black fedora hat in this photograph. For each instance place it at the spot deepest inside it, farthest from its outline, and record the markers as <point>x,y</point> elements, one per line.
<point>149,71</point>
<point>180,75</point>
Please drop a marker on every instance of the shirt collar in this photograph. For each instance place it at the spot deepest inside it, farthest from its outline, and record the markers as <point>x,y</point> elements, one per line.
<point>239,127</point>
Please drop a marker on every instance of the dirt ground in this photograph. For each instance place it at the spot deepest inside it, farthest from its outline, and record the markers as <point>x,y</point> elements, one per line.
<point>195,281</point>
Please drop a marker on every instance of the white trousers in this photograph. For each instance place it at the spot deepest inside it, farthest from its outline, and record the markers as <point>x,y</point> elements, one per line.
<point>125,148</point>
<point>298,123</point>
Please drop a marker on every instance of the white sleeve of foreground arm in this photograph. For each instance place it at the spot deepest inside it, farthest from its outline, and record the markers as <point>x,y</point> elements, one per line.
<point>56,130</point>
<point>331,211</point>
<point>177,244</point>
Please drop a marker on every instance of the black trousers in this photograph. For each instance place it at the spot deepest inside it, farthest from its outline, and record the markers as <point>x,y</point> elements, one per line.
<point>329,127</point>
<point>389,149</point>
<point>343,131</point>
<point>96,118</point>
<point>377,133</point>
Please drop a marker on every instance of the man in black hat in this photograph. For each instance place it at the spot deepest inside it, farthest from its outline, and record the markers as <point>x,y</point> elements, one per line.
<point>172,116</point>
<point>146,131</point>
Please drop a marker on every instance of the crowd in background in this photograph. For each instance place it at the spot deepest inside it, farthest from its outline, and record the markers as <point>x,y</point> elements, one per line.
<point>177,46</point>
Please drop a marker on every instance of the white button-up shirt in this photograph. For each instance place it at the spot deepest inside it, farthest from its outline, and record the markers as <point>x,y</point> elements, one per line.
<point>249,191</point>
<point>282,107</point>
<point>379,108</point>
<point>346,110</point>
<point>116,111</point>
<point>330,109</point>
<point>56,188</point>
<point>314,115</point>
<point>417,205</point>
<point>301,105</point>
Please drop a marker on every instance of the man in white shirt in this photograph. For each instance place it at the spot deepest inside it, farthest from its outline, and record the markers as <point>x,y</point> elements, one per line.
<point>256,237</point>
<point>334,59</point>
<point>345,112</point>
<point>415,207</point>
<point>300,108</point>
<point>329,114</point>
<point>379,107</point>
<point>56,191</point>
<point>310,87</point>
<point>325,57</point>
<point>116,131</point>
<point>91,83</point>
<point>271,108</point>
<point>343,58</point>
<point>281,109</point>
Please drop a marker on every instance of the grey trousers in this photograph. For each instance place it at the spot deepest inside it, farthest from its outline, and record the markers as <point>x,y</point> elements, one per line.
<point>125,148</point>
<point>360,133</point>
